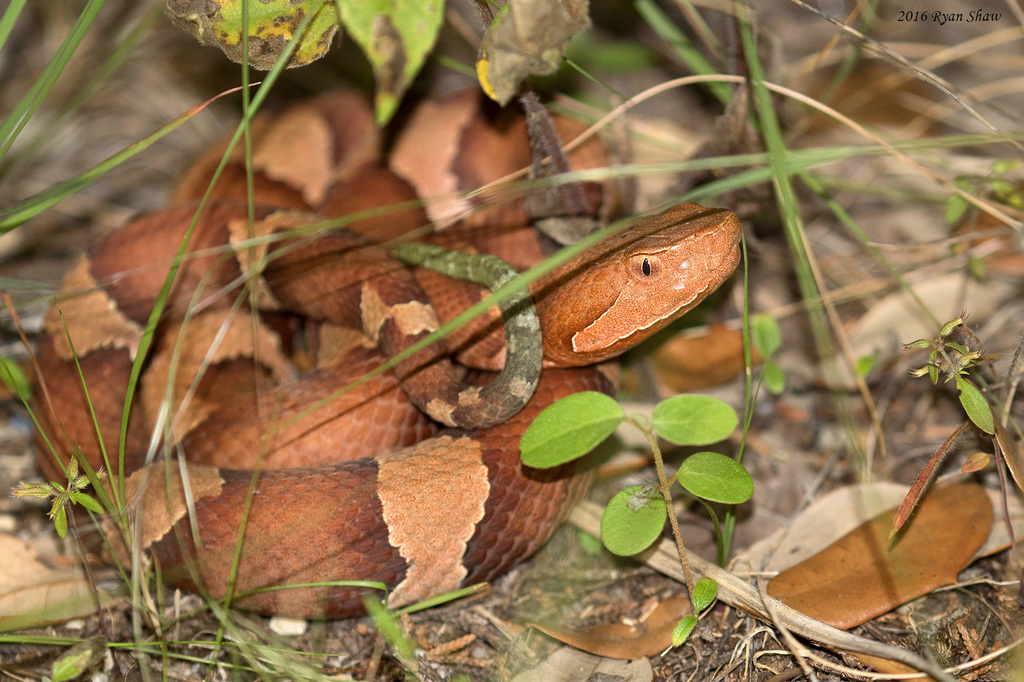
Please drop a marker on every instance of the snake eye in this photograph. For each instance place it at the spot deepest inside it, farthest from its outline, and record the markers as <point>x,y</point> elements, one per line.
<point>645,265</point>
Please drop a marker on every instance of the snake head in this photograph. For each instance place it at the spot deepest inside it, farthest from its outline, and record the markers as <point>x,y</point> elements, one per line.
<point>625,289</point>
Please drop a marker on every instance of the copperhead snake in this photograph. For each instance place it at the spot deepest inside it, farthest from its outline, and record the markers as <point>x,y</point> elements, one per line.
<point>362,487</point>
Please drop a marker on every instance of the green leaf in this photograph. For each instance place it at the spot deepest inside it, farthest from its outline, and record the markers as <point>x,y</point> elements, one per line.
<point>774,379</point>
<point>865,364</point>
<point>977,267</point>
<point>569,428</point>
<point>396,36</point>
<point>956,206</point>
<point>975,405</point>
<point>694,420</point>
<point>948,328</point>
<point>591,545</point>
<point>86,501</point>
<point>704,594</point>
<point>682,630</point>
<point>60,520</point>
<point>15,379</point>
<point>717,478</point>
<point>633,520</point>
<point>766,335</point>
<point>1003,189</point>
<point>272,24</point>
<point>78,659</point>
<point>1004,166</point>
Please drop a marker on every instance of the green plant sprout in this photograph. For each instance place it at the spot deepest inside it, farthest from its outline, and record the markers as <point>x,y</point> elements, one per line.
<point>63,496</point>
<point>635,517</point>
<point>995,184</point>
<point>952,361</point>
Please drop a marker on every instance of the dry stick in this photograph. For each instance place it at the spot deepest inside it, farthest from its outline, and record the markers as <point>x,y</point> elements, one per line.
<point>545,142</point>
<point>739,594</point>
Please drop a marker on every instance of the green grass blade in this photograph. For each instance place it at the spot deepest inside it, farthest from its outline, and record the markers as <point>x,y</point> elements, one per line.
<point>785,193</point>
<point>681,45</point>
<point>20,213</point>
<point>122,52</point>
<point>8,20</point>
<point>22,113</point>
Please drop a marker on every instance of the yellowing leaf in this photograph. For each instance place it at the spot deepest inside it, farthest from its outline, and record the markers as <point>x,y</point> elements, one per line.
<point>272,24</point>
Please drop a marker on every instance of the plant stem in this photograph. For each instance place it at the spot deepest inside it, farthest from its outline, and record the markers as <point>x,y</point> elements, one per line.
<point>94,591</point>
<point>664,487</point>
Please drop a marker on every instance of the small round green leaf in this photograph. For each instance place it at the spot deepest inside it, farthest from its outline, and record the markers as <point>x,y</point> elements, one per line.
<point>767,337</point>
<point>956,206</point>
<point>1002,188</point>
<point>694,420</point>
<point>865,364</point>
<point>975,405</point>
<point>683,629</point>
<point>590,544</point>
<point>774,379</point>
<point>977,267</point>
<point>633,520</point>
<point>569,428</point>
<point>1004,166</point>
<point>717,478</point>
<point>704,593</point>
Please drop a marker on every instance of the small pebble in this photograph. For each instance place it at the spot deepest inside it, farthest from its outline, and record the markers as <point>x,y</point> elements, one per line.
<point>288,627</point>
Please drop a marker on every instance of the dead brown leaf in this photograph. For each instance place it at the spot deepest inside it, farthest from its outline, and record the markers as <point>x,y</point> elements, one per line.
<point>862,575</point>
<point>692,363</point>
<point>626,642</point>
<point>33,593</point>
<point>976,462</point>
<point>917,489</point>
<point>1012,455</point>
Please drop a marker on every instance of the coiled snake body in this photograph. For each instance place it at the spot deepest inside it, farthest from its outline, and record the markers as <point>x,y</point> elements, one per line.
<point>360,487</point>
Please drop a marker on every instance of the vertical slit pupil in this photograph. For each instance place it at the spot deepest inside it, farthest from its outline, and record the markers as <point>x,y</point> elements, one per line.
<point>646,267</point>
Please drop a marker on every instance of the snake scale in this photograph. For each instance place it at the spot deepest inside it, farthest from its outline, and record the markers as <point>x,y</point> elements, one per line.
<point>362,486</point>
